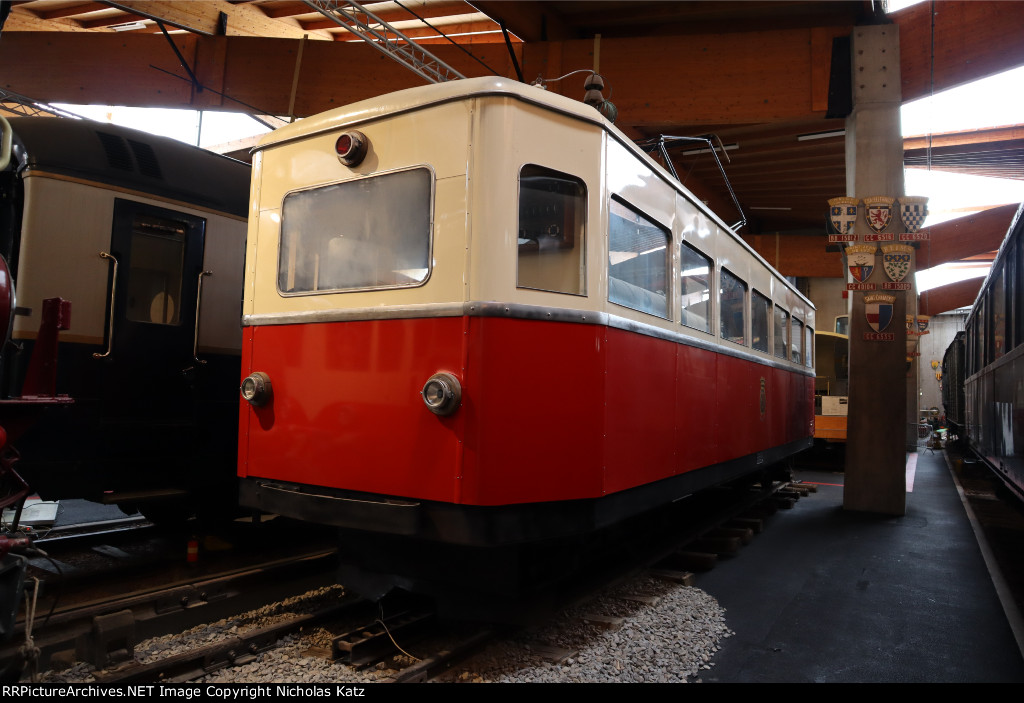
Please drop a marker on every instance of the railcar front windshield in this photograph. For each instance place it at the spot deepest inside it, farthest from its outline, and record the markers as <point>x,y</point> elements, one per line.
<point>358,235</point>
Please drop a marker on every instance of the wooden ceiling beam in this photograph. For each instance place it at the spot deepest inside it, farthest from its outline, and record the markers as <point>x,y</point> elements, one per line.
<point>530,21</point>
<point>973,40</point>
<point>88,67</point>
<point>75,10</point>
<point>967,236</point>
<point>243,19</point>
<point>971,137</point>
<point>735,78</point>
<point>427,12</point>
<point>707,79</point>
<point>23,20</point>
<point>960,294</point>
<point>485,25</point>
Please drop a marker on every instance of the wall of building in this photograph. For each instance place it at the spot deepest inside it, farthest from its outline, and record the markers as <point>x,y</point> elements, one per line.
<point>932,346</point>
<point>827,296</point>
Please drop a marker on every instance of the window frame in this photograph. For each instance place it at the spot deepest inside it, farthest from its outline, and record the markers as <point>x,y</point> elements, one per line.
<point>710,302</point>
<point>796,341</point>
<point>786,328</point>
<point>576,244</point>
<point>667,232</point>
<point>723,271</point>
<point>431,204</point>
<point>768,321</point>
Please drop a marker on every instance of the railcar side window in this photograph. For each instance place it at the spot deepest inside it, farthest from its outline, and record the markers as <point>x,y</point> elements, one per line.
<point>795,340</point>
<point>638,262</point>
<point>809,347</point>
<point>155,270</point>
<point>695,284</point>
<point>761,311</point>
<point>998,314</point>
<point>979,336</point>
<point>552,225</point>
<point>733,297</point>
<point>781,330</point>
<point>357,235</point>
<point>1012,310</point>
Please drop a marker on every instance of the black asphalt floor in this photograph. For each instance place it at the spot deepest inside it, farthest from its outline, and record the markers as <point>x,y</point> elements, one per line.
<point>827,595</point>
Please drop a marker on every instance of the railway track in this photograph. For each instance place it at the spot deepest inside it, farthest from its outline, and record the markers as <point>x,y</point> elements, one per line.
<point>340,638</point>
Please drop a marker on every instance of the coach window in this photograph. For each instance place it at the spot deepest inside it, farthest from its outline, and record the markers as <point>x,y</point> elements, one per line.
<point>695,284</point>
<point>795,340</point>
<point>733,306</point>
<point>1017,290</point>
<point>1010,284</point>
<point>998,313</point>
<point>638,261</point>
<point>155,270</point>
<point>809,347</point>
<point>781,330</point>
<point>358,235</point>
<point>760,315</point>
<point>552,218</point>
<point>981,354</point>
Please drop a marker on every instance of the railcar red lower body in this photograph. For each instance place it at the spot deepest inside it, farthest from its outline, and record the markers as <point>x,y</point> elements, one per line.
<point>551,412</point>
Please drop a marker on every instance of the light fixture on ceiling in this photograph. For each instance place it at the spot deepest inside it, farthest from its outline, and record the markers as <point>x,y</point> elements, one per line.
<point>127,26</point>
<point>727,147</point>
<point>821,135</point>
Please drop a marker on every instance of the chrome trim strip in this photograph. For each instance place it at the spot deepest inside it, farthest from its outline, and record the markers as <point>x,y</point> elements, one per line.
<point>485,308</point>
<point>354,314</point>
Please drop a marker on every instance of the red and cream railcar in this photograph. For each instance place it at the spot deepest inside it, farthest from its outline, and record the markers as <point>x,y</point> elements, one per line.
<point>475,313</point>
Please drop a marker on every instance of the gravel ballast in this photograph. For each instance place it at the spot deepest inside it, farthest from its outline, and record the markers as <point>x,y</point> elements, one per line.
<point>646,630</point>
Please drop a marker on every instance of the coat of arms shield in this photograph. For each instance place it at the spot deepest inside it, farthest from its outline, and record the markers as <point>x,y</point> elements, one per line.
<point>860,259</point>
<point>843,213</point>
<point>878,211</point>
<point>878,309</point>
<point>913,210</point>
<point>896,260</point>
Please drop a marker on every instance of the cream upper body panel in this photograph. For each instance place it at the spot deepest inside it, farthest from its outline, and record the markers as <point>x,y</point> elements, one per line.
<point>477,136</point>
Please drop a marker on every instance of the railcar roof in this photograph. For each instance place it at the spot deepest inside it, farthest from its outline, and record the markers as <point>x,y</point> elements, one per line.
<point>423,96</point>
<point>134,160</point>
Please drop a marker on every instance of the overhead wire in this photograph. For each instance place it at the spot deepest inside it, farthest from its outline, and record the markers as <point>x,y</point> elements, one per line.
<point>462,48</point>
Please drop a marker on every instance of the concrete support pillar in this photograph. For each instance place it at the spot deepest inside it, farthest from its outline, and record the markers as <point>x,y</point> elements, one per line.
<point>876,439</point>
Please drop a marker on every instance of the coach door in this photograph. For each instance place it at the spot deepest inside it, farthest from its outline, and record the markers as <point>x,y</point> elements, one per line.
<point>150,356</point>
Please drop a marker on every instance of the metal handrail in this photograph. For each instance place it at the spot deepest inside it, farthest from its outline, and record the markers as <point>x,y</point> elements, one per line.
<point>199,297</point>
<point>110,322</point>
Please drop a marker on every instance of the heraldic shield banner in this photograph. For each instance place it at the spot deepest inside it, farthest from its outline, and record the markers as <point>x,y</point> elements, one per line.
<point>878,309</point>
<point>843,213</point>
<point>878,211</point>
<point>860,258</point>
<point>913,210</point>
<point>896,260</point>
